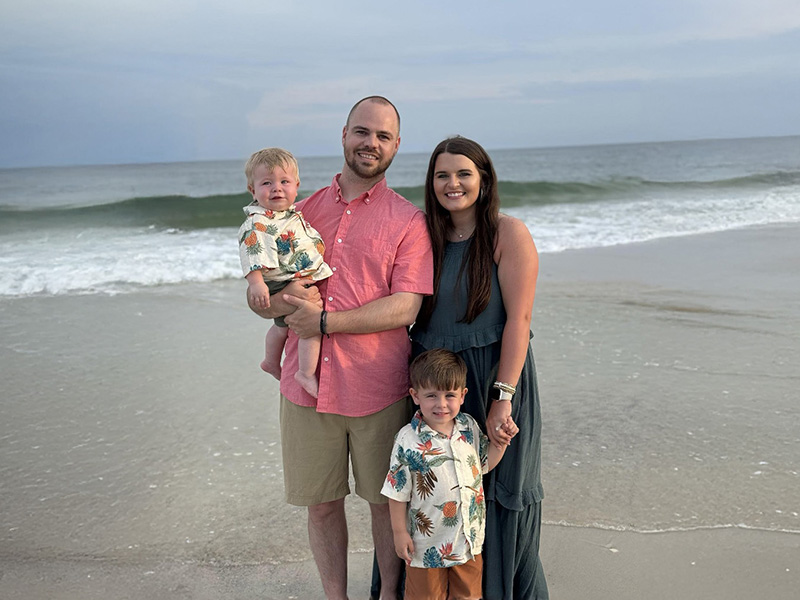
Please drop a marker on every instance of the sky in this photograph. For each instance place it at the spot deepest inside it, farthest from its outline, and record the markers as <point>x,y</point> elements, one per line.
<point>138,81</point>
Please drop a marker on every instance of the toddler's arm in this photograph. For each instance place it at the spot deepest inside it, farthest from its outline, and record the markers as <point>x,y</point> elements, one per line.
<point>495,452</point>
<point>257,290</point>
<point>403,544</point>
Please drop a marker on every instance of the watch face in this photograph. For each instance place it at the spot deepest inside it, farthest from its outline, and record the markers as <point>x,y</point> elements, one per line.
<point>494,394</point>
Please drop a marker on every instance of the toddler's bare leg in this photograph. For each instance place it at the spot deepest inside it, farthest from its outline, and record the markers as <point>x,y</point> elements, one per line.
<point>307,358</point>
<point>276,339</point>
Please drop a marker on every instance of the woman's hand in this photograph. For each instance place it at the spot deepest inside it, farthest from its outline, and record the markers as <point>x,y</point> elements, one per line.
<point>497,423</point>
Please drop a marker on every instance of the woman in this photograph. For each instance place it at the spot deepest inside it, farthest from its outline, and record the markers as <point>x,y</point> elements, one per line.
<point>485,269</point>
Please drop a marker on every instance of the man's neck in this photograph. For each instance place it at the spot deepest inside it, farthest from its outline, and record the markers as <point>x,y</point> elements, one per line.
<point>353,186</point>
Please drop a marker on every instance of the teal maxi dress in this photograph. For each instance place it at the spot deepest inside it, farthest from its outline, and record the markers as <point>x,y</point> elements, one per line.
<point>512,569</point>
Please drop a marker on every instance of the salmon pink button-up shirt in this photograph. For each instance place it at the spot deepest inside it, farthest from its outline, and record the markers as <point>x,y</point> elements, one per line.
<point>376,245</point>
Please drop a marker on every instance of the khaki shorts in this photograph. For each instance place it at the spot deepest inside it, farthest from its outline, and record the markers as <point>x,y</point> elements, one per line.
<point>318,448</point>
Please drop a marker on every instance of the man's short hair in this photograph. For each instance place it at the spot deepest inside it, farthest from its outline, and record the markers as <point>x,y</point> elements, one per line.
<point>271,158</point>
<point>438,369</point>
<point>377,100</point>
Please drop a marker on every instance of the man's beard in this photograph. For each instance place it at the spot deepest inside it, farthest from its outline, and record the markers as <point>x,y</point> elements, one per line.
<point>366,172</point>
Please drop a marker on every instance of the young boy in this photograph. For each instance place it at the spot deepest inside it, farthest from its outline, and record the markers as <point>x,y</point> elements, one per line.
<point>434,484</point>
<point>276,245</point>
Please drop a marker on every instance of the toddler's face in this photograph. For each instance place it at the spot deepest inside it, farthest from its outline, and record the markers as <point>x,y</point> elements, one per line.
<point>274,189</point>
<point>439,407</point>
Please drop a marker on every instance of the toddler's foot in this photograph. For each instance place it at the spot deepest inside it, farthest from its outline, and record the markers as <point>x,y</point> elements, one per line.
<point>272,368</point>
<point>309,383</point>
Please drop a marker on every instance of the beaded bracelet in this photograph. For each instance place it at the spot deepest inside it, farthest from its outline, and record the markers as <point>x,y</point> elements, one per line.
<point>505,387</point>
<point>505,391</point>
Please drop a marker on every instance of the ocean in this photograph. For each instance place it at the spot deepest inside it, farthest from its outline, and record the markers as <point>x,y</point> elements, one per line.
<point>111,229</point>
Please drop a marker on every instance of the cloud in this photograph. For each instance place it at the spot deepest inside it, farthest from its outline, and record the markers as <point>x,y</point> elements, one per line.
<point>743,19</point>
<point>225,78</point>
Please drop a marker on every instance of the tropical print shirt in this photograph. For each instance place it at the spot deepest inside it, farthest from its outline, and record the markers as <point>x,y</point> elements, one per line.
<point>281,244</point>
<point>441,478</point>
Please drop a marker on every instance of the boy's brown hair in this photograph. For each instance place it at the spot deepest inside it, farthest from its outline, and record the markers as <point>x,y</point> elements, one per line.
<point>438,369</point>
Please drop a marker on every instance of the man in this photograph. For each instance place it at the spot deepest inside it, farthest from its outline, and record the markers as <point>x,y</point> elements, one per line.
<point>378,247</point>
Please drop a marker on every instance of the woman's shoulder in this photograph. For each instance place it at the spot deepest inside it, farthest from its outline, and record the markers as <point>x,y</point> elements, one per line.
<point>513,233</point>
<point>508,224</point>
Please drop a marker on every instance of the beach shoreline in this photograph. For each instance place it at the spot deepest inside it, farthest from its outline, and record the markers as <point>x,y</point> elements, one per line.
<point>143,460</point>
<point>580,563</point>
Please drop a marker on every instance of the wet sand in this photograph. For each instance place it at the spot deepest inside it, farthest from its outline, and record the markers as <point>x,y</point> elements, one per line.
<point>139,454</point>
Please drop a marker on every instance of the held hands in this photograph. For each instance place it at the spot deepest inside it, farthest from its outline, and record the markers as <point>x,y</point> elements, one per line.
<point>404,546</point>
<point>509,428</point>
<point>500,427</point>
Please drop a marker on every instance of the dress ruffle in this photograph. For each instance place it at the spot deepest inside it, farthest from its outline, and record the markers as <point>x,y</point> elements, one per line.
<point>462,341</point>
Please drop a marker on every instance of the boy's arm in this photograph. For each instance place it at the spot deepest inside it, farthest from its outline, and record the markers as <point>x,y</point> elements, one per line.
<point>403,544</point>
<point>257,290</point>
<point>495,454</point>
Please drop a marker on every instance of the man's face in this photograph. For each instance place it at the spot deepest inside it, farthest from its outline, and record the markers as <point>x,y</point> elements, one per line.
<point>371,139</point>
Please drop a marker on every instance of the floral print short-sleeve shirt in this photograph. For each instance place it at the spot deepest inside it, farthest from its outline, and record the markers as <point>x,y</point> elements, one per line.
<point>281,244</point>
<point>441,478</point>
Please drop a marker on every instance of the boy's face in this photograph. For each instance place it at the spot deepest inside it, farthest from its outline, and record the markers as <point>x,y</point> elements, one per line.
<point>274,189</point>
<point>439,407</point>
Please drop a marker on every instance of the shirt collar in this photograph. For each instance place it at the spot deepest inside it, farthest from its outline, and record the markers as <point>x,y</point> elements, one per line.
<point>426,432</point>
<point>370,195</point>
<point>254,208</point>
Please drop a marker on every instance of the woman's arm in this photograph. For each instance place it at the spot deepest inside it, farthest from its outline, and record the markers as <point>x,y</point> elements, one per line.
<point>517,269</point>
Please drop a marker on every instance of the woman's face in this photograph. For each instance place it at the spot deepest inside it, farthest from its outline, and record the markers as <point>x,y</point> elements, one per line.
<point>457,183</point>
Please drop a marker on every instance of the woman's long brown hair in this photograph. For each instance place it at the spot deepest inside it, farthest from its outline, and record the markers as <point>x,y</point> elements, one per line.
<point>478,262</point>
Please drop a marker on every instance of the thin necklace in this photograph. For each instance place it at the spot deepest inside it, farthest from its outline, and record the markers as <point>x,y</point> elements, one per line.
<point>461,235</point>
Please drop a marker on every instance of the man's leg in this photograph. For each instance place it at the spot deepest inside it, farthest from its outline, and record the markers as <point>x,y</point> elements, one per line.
<point>316,468</point>
<point>388,562</point>
<point>327,534</point>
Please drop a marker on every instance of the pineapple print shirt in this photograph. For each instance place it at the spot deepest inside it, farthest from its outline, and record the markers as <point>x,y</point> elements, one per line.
<point>281,244</point>
<point>441,478</point>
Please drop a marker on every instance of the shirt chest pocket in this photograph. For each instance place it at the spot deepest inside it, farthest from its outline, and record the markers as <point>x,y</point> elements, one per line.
<point>368,263</point>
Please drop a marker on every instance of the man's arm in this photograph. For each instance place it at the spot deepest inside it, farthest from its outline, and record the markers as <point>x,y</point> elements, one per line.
<point>390,312</point>
<point>279,307</point>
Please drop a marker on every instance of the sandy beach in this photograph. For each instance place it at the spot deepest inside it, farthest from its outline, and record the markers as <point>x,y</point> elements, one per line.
<point>139,453</point>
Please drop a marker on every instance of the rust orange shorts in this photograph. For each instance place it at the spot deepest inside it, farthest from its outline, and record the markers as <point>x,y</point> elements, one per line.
<point>462,582</point>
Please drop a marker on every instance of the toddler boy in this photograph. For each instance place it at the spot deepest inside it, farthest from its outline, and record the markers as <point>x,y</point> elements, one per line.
<point>276,245</point>
<point>435,483</point>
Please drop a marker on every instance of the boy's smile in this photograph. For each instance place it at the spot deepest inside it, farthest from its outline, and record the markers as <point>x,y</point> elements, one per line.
<point>439,407</point>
